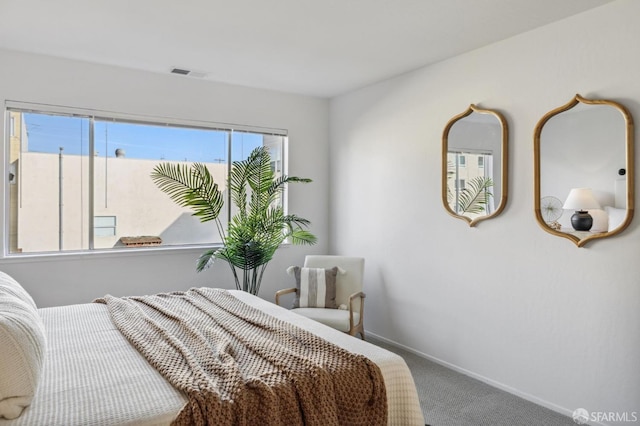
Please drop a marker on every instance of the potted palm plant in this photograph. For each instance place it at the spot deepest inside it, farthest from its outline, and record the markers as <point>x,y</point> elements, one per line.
<point>260,224</point>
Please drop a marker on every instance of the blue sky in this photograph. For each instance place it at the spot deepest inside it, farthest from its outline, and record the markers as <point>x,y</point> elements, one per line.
<point>47,133</point>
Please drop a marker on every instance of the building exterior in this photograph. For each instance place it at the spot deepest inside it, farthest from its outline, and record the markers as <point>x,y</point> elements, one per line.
<point>50,195</point>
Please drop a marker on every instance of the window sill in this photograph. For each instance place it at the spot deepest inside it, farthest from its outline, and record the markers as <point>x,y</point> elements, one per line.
<point>108,253</point>
<point>102,253</point>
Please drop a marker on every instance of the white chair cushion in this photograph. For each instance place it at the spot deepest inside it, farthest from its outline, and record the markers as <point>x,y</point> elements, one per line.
<point>22,349</point>
<point>334,318</point>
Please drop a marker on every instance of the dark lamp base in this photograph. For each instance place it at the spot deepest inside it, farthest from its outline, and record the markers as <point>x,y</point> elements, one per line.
<point>581,221</point>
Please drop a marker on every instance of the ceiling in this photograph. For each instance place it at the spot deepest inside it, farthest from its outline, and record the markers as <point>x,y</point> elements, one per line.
<point>314,47</point>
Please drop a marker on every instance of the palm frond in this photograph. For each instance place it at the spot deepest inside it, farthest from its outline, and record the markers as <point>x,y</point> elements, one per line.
<point>278,184</point>
<point>261,174</point>
<point>475,196</point>
<point>301,236</point>
<point>297,220</point>
<point>238,186</point>
<point>205,260</point>
<point>191,187</point>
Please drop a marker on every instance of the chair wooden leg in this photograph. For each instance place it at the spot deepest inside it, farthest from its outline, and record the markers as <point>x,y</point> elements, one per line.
<point>357,330</point>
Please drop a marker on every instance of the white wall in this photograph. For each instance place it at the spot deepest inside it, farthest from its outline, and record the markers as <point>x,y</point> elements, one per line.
<point>73,279</point>
<point>504,301</point>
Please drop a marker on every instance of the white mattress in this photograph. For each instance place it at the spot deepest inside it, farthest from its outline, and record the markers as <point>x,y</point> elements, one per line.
<point>93,376</point>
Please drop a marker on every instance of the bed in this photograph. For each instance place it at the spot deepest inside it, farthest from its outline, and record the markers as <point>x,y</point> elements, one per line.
<point>92,375</point>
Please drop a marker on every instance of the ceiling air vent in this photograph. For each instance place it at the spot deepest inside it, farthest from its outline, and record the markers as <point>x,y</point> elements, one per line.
<point>190,73</point>
<point>180,71</point>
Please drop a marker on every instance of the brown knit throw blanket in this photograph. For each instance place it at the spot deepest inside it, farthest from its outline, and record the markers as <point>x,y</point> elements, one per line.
<point>240,366</point>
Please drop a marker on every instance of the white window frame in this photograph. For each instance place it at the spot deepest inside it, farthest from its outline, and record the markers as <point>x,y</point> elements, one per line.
<point>27,107</point>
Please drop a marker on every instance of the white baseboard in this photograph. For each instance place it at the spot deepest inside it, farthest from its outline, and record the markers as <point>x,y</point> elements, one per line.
<point>495,384</point>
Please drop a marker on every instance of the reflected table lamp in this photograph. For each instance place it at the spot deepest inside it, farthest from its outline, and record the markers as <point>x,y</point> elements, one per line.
<point>580,200</point>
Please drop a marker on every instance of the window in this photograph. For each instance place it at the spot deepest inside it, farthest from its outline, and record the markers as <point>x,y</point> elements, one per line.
<point>462,161</point>
<point>104,226</point>
<point>480,161</point>
<point>83,182</point>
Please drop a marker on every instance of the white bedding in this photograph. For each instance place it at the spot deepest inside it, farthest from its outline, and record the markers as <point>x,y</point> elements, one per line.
<point>93,376</point>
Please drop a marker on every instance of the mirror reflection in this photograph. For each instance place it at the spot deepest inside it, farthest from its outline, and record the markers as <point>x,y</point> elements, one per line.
<point>583,170</point>
<point>474,165</point>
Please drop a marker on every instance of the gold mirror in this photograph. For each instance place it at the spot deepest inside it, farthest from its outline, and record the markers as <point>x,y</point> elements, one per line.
<point>583,166</point>
<point>474,165</point>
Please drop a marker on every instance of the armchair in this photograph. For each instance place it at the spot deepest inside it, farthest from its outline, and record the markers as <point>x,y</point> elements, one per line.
<point>349,296</point>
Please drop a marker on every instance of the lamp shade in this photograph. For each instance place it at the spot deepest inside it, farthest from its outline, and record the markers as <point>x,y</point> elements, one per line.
<point>581,199</point>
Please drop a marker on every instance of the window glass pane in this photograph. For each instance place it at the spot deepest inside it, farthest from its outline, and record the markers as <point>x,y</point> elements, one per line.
<point>58,204</point>
<point>48,193</point>
<point>242,143</point>
<point>104,226</point>
<point>245,142</point>
<point>104,221</point>
<point>126,154</point>
<point>104,232</point>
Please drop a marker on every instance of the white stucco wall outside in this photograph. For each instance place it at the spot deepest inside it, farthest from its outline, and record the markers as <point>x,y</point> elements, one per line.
<point>125,191</point>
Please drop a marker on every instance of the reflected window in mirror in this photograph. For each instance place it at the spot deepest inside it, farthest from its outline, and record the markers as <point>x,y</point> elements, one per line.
<point>583,153</point>
<point>474,165</point>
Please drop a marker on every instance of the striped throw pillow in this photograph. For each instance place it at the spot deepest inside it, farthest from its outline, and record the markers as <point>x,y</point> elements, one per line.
<point>316,287</point>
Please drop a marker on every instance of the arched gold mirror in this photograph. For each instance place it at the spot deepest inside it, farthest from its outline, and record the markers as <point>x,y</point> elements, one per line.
<point>584,168</point>
<point>474,165</point>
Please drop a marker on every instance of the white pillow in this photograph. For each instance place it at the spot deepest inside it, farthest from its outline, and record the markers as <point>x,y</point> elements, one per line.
<point>616,216</point>
<point>22,349</point>
<point>11,286</point>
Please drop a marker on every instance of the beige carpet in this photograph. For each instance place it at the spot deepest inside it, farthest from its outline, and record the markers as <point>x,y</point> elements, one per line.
<point>448,398</point>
